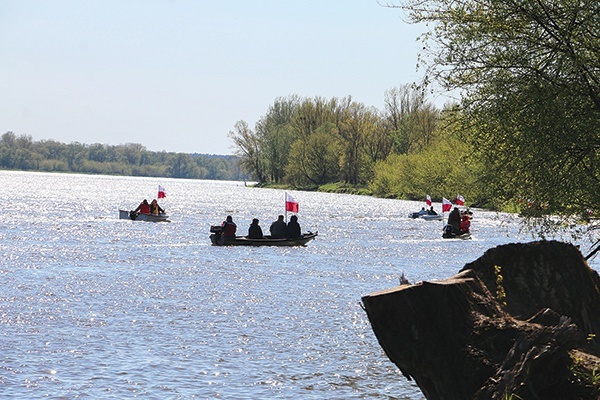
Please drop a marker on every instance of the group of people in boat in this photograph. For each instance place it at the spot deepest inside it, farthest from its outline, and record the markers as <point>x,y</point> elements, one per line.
<point>459,222</point>
<point>279,229</point>
<point>431,211</point>
<point>149,208</point>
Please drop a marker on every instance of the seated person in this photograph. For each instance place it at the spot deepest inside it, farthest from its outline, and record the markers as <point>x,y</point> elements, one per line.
<point>465,224</point>
<point>454,220</point>
<point>293,227</point>
<point>278,228</point>
<point>255,231</point>
<point>143,208</point>
<point>229,227</point>
<point>422,211</point>
<point>431,211</point>
<point>155,208</point>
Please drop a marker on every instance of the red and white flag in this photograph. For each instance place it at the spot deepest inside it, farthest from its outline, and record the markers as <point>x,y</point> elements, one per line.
<point>446,205</point>
<point>161,192</point>
<point>428,200</point>
<point>290,204</point>
<point>460,200</point>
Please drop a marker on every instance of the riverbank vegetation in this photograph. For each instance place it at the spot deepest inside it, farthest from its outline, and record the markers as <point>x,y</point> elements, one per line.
<point>21,152</point>
<point>523,137</point>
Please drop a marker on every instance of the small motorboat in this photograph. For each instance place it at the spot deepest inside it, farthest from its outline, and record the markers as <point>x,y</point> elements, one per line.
<point>426,217</point>
<point>448,233</point>
<point>132,215</point>
<point>218,239</point>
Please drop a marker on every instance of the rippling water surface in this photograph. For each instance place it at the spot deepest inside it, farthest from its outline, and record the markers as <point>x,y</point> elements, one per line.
<point>96,307</point>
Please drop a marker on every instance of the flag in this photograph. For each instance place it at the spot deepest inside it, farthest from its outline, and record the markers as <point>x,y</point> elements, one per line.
<point>161,192</point>
<point>460,200</point>
<point>428,200</point>
<point>290,204</point>
<point>446,205</point>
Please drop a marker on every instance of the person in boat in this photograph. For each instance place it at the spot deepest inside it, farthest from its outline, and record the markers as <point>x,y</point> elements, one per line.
<point>293,227</point>
<point>465,224</point>
<point>431,211</point>
<point>422,211</point>
<point>155,208</point>
<point>454,220</point>
<point>278,228</point>
<point>229,227</point>
<point>143,208</point>
<point>255,231</point>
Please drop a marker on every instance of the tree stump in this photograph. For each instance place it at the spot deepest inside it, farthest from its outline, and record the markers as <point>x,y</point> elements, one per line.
<point>519,321</point>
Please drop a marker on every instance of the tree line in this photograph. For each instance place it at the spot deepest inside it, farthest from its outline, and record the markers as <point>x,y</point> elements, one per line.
<point>408,149</point>
<point>309,142</point>
<point>21,152</point>
<point>523,137</point>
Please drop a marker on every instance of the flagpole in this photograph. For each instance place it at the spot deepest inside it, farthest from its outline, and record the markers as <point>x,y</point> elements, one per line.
<point>443,215</point>
<point>285,205</point>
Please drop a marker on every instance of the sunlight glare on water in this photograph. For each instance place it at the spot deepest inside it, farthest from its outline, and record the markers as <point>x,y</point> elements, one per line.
<point>93,306</point>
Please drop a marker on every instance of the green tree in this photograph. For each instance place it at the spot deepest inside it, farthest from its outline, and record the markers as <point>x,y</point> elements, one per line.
<point>247,146</point>
<point>183,166</point>
<point>443,168</point>
<point>275,136</point>
<point>314,160</point>
<point>355,122</point>
<point>400,103</point>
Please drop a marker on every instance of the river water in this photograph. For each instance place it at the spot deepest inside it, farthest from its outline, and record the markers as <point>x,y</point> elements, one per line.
<point>96,307</point>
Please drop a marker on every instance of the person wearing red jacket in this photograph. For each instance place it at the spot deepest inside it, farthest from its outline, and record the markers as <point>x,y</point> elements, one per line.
<point>465,224</point>
<point>143,208</point>
<point>229,227</point>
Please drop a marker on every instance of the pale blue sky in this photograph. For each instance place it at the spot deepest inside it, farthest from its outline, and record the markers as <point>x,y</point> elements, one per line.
<point>176,75</point>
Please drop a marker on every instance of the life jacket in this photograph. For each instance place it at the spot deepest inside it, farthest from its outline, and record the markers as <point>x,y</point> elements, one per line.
<point>145,209</point>
<point>229,228</point>
<point>465,225</point>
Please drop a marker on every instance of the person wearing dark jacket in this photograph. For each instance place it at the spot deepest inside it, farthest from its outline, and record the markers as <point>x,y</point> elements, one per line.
<point>229,227</point>
<point>454,220</point>
<point>278,228</point>
<point>255,231</point>
<point>293,227</point>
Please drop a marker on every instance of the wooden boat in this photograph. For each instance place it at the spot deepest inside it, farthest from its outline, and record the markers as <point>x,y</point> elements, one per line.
<point>143,217</point>
<point>219,240</point>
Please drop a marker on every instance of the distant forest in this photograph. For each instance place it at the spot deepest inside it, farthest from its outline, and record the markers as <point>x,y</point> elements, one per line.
<point>21,152</point>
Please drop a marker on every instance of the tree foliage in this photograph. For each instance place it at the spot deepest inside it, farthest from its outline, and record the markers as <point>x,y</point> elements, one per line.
<point>529,74</point>
<point>21,152</point>
<point>314,141</point>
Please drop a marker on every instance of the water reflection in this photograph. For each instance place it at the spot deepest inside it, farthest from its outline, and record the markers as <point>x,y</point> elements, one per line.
<point>91,305</point>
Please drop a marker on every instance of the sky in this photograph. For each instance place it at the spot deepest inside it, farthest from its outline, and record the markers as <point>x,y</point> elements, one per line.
<point>176,75</point>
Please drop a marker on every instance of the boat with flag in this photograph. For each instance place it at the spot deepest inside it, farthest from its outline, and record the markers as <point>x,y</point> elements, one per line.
<point>426,214</point>
<point>218,237</point>
<point>459,221</point>
<point>150,212</point>
<point>132,215</point>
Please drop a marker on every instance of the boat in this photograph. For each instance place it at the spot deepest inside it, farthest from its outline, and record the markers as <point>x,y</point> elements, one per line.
<point>217,239</point>
<point>132,215</point>
<point>449,234</point>
<point>463,236</point>
<point>426,217</point>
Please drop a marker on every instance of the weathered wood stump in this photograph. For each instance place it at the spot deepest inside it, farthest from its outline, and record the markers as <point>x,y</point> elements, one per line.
<point>519,321</point>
